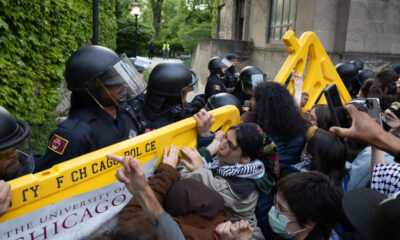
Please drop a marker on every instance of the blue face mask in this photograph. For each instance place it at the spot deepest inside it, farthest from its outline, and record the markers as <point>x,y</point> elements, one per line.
<point>278,223</point>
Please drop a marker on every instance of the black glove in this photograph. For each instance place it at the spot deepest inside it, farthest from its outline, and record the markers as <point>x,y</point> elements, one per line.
<point>198,102</point>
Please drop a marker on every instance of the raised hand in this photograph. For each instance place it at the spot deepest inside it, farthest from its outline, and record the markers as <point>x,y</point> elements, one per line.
<point>131,174</point>
<point>171,158</point>
<point>194,160</point>
<point>204,122</point>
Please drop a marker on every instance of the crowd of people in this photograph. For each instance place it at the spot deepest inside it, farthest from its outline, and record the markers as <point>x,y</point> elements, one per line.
<point>280,174</point>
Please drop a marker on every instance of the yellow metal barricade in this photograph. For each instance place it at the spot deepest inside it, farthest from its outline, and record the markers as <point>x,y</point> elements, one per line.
<point>320,70</point>
<point>94,170</point>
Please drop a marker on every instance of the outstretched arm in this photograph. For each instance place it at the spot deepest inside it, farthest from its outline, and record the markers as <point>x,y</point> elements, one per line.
<point>365,129</point>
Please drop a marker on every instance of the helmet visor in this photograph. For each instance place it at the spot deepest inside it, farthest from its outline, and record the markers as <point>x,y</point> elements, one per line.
<point>256,79</point>
<point>190,91</point>
<point>225,63</point>
<point>120,83</point>
<point>253,82</point>
<point>17,161</point>
<point>141,63</point>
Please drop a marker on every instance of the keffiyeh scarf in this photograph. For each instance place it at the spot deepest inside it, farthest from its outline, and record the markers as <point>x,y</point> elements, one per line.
<point>253,170</point>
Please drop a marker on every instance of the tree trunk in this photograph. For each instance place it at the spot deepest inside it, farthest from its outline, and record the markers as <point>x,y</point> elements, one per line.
<point>157,7</point>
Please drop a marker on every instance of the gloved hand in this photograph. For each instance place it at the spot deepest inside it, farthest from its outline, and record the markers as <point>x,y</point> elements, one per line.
<point>198,102</point>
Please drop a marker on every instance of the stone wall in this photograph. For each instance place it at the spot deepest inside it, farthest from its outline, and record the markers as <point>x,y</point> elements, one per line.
<point>374,27</point>
<point>368,30</point>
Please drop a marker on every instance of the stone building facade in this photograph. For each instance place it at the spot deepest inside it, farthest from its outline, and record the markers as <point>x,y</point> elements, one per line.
<point>368,30</point>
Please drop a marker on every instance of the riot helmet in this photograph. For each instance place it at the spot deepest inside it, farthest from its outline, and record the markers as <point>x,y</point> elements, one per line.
<point>347,72</point>
<point>110,80</point>
<point>222,99</point>
<point>364,75</point>
<point>218,65</point>
<point>358,64</point>
<point>396,68</point>
<point>140,64</point>
<point>16,158</point>
<point>359,79</point>
<point>172,80</point>
<point>250,77</point>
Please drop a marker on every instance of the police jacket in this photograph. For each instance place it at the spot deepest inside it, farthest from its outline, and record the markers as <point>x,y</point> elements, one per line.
<point>86,130</point>
<point>230,78</point>
<point>150,118</point>
<point>214,85</point>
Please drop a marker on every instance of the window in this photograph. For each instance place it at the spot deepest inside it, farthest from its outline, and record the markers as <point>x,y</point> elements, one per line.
<point>220,21</point>
<point>281,18</point>
<point>240,5</point>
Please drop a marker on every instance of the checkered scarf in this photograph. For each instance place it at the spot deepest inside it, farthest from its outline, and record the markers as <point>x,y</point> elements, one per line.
<point>254,169</point>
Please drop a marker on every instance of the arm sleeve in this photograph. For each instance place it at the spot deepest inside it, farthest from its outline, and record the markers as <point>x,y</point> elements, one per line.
<point>202,175</point>
<point>204,141</point>
<point>167,228</point>
<point>71,139</point>
<point>160,183</point>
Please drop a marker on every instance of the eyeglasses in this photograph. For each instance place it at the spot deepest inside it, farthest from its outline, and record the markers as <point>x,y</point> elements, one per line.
<point>281,210</point>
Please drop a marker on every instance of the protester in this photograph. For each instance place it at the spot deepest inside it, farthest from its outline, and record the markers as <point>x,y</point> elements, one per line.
<point>234,171</point>
<point>307,206</point>
<point>274,103</point>
<point>196,212</point>
<point>325,153</point>
<point>386,81</point>
<point>320,116</point>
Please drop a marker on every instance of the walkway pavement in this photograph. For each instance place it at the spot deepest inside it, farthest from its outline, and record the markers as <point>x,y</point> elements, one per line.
<point>156,60</point>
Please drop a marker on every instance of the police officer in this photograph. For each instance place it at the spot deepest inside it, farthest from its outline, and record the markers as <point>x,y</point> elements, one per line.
<point>16,158</point>
<point>362,75</point>
<point>165,100</point>
<point>221,100</point>
<point>348,72</point>
<point>358,64</point>
<point>215,84</point>
<point>100,82</point>
<point>231,76</point>
<point>249,78</point>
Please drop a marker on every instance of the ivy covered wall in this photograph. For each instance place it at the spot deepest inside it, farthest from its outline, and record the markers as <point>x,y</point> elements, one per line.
<point>36,39</point>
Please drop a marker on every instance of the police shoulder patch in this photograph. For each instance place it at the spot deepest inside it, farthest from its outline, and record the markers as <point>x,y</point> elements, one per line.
<point>58,144</point>
<point>217,87</point>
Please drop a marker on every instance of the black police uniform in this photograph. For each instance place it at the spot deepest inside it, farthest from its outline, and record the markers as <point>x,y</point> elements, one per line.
<point>239,94</point>
<point>87,130</point>
<point>214,85</point>
<point>148,120</point>
<point>230,79</point>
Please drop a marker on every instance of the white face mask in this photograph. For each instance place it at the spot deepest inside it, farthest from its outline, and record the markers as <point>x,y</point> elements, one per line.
<point>278,223</point>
